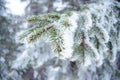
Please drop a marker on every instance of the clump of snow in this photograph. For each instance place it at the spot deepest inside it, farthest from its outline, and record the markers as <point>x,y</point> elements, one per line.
<point>2,60</point>
<point>59,5</point>
<point>24,58</point>
<point>87,19</point>
<point>68,36</point>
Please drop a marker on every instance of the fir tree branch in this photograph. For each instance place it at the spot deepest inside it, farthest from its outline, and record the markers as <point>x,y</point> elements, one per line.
<point>37,35</point>
<point>46,17</point>
<point>83,47</point>
<point>56,40</point>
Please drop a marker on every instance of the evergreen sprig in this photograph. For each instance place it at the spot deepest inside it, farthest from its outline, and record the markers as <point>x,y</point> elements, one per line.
<point>37,33</point>
<point>50,24</point>
<point>56,40</point>
<point>46,17</point>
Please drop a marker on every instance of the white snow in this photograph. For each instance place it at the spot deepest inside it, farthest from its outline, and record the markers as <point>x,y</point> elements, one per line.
<point>16,7</point>
<point>68,36</point>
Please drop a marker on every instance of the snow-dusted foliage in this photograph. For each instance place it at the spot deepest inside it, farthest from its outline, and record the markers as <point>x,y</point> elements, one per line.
<point>86,41</point>
<point>94,34</point>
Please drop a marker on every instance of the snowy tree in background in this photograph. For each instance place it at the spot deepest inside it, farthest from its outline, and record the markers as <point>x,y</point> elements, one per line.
<point>84,43</point>
<point>8,46</point>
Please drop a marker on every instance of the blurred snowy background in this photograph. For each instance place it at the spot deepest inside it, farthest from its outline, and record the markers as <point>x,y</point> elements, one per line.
<point>36,61</point>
